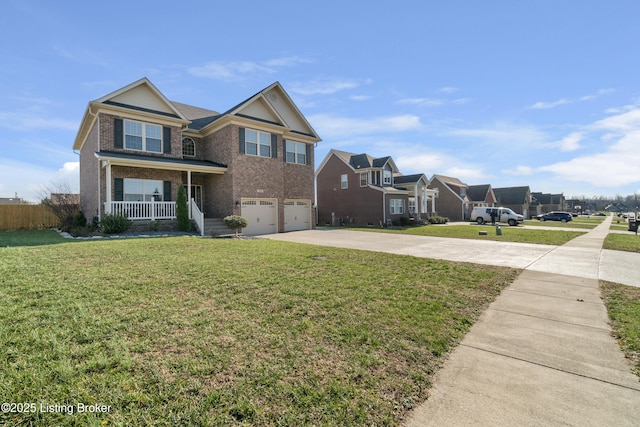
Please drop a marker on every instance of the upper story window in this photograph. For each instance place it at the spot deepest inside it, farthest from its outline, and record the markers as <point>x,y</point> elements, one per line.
<point>344,181</point>
<point>387,177</point>
<point>188,147</point>
<point>257,143</point>
<point>142,136</point>
<point>296,152</point>
<point>363,179</point>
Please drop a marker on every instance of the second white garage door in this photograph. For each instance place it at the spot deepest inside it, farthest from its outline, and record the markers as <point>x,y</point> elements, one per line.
<point>297,215</point>
<point>262,216</point>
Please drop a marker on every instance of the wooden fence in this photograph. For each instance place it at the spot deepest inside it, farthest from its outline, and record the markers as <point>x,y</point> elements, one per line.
<point>26,217</point>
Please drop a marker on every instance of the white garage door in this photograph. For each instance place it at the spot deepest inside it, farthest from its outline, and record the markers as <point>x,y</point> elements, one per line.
<point>262,216</point>
<point>297,215</point>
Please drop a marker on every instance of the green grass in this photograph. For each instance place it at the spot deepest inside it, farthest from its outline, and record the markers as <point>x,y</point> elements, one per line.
<point>585,223</point>
<point>30,238</point>
<point>189,331</point>
<point>623,305</point>
<point>509,234</point>
<point>622,242</point>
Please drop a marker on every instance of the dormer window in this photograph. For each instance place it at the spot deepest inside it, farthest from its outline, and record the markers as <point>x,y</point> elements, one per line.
<point>188,147</point>
<point>387,177</point>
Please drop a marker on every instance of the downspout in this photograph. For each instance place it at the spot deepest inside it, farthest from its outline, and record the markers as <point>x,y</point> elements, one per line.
<point>384,209</point>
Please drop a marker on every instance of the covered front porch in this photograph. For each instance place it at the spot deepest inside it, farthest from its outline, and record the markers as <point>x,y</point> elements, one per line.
<point>152,199</point>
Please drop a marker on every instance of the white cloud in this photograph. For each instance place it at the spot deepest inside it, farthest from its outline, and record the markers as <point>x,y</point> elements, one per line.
<point>540,105</point>
<point>239,70</point>
<point>519,171</point>
<point>360,97</point>
<point>503,134</point>
<point>570,142</point>
<point>28,180</point>
<point>322,87</point>
<point>448,89</point>
<point>617,165</point>
<point>433,102</point>
<point>25,121</point>
<point>330,126</point>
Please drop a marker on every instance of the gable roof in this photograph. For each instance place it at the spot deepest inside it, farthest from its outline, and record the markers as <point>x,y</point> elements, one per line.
<point>450,180</point>
<point>512,195</point>
<point>480,193</point>
<point>409,179</point>
<point>272,105</point>
<point>359,161</point>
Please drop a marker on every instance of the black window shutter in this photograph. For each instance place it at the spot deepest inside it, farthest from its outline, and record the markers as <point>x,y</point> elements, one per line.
<point>242,141</point>
<point>166,193</point>
<point>118,184</point>
<point>274,146</point>
<point>166,139</point>
<point>118,134</point>
<point>308,148</point>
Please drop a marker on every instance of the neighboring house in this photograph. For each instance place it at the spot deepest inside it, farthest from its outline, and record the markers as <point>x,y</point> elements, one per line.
<point>517,199</point>
<point>65,199</point>
<point>545,202</point>
<point>137,149</point>
<point>359,189</point>
<point>452,201</point>
<point>11,201</point>
<point>481,196</point>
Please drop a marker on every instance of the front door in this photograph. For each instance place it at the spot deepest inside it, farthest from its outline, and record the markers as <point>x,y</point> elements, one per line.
<point>196,193</point>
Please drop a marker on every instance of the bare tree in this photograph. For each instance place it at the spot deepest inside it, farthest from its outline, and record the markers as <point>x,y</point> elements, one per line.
<point>64,204</point>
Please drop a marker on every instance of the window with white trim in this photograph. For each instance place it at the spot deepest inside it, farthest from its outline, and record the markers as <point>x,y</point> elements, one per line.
<point>344,181</point>
<point>296,152</point>
<point>386,177</point>
<point>142,136</point>
<point>257,143</point>
<point>363,179</point>
<point>142,190</point>
<point>396,206</point>
<point>188,147</point>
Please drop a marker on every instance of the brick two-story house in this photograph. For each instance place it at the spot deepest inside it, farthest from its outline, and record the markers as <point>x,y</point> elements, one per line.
<point>359,189</point>
<point>256,159</point>
<point>452,201</point>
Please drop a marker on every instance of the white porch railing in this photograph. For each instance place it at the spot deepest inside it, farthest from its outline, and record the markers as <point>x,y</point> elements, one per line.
<point>143,210</point>
<point>197,216</point>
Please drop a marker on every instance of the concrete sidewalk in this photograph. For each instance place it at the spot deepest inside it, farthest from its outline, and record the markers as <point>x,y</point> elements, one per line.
<point>542,353</point>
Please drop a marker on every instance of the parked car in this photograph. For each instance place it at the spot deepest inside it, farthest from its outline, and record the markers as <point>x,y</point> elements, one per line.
<point>555,216</point>
<point>483,214</point>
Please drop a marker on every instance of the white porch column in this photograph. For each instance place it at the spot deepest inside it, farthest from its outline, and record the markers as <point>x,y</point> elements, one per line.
<point>189,192</point>
<point>416,201</point>
<point>108,184</point>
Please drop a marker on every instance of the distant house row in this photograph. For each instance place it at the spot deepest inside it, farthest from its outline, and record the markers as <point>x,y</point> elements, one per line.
<point>359,189</point>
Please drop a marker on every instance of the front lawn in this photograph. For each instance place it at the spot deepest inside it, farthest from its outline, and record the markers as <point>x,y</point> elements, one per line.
<point>576,223</point>
<point>190,331</point>
<point>622,242</point>
<point>623,305</point>
<point>471,231</point>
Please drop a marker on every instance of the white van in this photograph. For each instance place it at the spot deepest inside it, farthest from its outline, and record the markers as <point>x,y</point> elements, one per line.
<point>483,214</point>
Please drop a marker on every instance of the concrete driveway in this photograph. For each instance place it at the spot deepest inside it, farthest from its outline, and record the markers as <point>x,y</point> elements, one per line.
<point>575,260</point>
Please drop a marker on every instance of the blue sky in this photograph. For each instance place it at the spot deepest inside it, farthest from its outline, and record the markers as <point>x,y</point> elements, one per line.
<point>509,93</point>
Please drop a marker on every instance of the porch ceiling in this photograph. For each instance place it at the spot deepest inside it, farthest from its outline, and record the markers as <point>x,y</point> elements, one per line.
<point>142,161</point>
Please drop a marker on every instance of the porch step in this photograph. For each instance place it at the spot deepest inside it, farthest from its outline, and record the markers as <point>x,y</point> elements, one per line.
<point>215,226</point>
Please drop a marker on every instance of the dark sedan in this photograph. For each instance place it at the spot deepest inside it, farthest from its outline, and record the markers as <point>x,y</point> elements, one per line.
<point>555,216</point>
